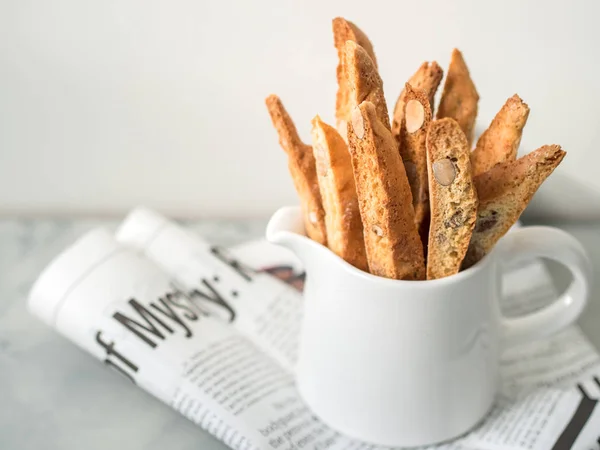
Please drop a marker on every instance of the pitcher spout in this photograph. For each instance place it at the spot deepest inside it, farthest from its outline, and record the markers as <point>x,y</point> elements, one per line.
<point>286,228</point>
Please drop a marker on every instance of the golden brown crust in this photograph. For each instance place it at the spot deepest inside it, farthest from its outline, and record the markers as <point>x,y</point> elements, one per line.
<point>344,30</point>
<point>459,97</point>
<point>364,81</point>
<point>393,246</point>
<point>500,142</point>
<point>338,192</point>
<point>301,163</point>
<point>504,193</point>
<point>453,198</point>
<point>415,123</point>
<point>426,78</point>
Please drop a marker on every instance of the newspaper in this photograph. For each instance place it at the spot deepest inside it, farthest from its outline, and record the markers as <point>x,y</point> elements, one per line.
<point>213,333</point>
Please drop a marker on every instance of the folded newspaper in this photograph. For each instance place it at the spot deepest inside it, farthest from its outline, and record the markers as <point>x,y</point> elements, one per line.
<point>213,333</point>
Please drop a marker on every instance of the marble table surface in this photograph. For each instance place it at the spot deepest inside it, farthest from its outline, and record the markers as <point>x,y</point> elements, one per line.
<point>54,396</point>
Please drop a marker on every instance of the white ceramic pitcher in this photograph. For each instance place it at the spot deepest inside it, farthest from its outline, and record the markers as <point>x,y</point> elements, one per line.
<point>407,363</point>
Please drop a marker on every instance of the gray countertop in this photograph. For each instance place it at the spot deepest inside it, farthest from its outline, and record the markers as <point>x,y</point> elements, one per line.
<point>54,396</point>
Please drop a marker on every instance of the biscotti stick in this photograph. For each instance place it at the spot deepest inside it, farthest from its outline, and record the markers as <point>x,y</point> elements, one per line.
<point>301,163</point>
<point>393,247</point>
<point>415,124</point>
<point>338,192</point>
<point>364,81</point>
<point>427,78</point>
<point>500,142</point>
<point>504,192</point>
<point>459,97</point>
<point>344,30</point>
<point>453,198</point>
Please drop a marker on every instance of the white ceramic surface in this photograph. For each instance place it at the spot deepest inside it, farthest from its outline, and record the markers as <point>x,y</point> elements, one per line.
<point>407,363</point>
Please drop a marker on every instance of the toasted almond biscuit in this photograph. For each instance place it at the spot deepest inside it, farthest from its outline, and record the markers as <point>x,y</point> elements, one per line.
<point>427,78</point>
<point>364,81</point>
<point>344,30</point>
<point>413,151</point>
<point>500,142</point>
<point>394,249</point>
<point>504,193</point>
<point>338,192</point>
<point>459,97</point>
<point>453,198</point>
<point>301,163</point>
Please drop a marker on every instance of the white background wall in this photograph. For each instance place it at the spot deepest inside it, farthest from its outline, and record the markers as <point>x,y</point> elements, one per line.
<point>108,104</point>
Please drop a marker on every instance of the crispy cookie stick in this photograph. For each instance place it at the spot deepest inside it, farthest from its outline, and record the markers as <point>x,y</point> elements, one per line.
<point>453,198</point>
<point>504,192</point>
<point>344,30</point>
<point>500,142</point>
<point>413,151</point>
<point>427,78</point>
<point>364,81</point>
<point>393,247</point>
<point>301,163</point>
<point>338,191</point>
<point>459,97</point>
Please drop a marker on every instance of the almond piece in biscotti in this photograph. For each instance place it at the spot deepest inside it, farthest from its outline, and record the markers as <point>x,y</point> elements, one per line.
<point>504,193</point>
<point>394,249</point>
<point>413,151</point>
<point>344,30</point>
<point>500,142</point>
<point>364,81</point>
<point>459,97</point>
<point>427,78</point>
<point>301,163</point>
<point>453,199</point>
<point>338,192</point>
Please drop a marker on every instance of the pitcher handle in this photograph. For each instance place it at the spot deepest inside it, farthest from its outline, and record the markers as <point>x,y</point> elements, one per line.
<point>529,243</point>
